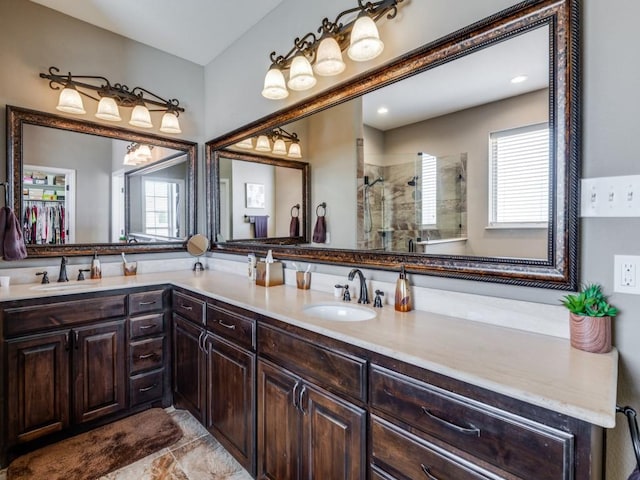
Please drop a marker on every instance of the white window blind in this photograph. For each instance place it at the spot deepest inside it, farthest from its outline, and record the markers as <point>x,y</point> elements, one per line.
<point>519,176</point>
<point>429,186</point>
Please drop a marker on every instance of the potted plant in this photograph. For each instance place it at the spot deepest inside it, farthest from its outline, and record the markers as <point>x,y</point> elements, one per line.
<point>590,319</point>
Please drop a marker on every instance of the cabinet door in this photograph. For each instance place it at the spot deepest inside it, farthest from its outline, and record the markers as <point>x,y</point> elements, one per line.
<point>188,367</point>
<point>100,376</point>
<point>38,386</point>
<point>333,436</point>
<point>278,423</point>
<point>231,398</point>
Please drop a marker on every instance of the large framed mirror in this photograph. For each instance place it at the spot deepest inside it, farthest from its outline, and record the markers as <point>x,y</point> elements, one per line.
<point>78,187</point>
<point>458,159</point>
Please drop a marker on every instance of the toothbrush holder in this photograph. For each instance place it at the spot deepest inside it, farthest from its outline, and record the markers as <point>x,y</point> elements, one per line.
<point>130,268</point>
<point>303,280</point>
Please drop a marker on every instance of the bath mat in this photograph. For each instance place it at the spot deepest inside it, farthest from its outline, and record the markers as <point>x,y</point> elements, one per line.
<point>93,454</point>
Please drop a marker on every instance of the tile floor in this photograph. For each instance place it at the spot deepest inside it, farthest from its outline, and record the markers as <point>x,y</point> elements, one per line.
<point>196,456</point>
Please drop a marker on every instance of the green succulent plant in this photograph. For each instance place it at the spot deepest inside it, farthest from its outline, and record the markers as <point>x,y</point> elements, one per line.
<point>589,302</point>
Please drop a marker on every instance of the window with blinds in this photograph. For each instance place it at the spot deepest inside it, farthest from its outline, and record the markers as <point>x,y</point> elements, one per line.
<point>519,177</point>
<point>429,186</point>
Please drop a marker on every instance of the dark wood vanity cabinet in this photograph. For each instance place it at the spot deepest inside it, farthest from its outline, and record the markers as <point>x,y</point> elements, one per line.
<point>308,427</point>
<point>78,360</point>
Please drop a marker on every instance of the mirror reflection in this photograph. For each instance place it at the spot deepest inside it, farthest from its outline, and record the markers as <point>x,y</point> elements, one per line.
<point>80,186</point>
<point>261,198</point>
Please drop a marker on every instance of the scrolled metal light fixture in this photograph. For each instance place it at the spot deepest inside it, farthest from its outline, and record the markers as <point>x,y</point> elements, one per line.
<point>279,137</point>
<point>111,97</point>
<point>359,37</point>
<point>137,154</point>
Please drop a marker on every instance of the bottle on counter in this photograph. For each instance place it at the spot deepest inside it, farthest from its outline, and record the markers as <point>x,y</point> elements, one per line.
<point>403,301</point>
<point>96,268</point>
<point>251,267</point>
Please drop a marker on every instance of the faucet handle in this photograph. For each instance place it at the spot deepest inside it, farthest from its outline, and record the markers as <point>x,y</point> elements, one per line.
<point>346,296</point>
<point>45,278</point>
<point>377,302</point>
<point>81,274</point>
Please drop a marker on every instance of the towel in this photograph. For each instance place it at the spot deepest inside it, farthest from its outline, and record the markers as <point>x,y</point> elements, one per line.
<point>260,226</point>
<point>13,247</point>
<point>320,230</point>
<point>635,475</point>
<point>294,227</point>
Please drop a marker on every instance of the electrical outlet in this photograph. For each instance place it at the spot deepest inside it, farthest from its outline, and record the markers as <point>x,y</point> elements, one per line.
<point>625,274</point>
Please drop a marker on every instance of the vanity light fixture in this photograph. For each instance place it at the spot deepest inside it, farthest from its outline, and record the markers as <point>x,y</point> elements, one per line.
<point>111,97</point>
<point>323,54</point>
<point>137,154</point>
<point>280,138</point>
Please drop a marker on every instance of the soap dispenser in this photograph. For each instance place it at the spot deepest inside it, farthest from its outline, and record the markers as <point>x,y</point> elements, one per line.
<point>403,293</point>
<point>96,269</point>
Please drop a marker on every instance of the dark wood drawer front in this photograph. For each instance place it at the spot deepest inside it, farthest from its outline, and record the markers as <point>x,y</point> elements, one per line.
<point>334,370</point>
<point>146,325</point>
<point>402,455</point>
<point>519,446</point>
<point>145,302</point>
<point>146,388</point>
<point>232,326</point>
<point>23,320</point>
<point>189,307</point>
<point>146,354</point>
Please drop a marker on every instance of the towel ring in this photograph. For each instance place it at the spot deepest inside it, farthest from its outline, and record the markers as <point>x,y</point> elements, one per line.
<point>295,207</point>
<point>322,206</point>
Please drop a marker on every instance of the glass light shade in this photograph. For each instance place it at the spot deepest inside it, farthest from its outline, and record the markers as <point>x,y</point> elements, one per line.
<point>365,41</point>
<point>329,58</point>
<point>70,101</point>
<point>108,110</point>
<point>140,117</point>
<point>301,74</point>
<point>275,87</point>
<point>129,159</point>
<point>294,151</point>
<point>142,154</point>
<point>263,144</point>
<point>170,123</point>
<point>279,147</point>
<point>246,144</point>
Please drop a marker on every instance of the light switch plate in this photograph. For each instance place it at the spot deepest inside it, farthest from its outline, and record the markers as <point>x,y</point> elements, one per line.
<point>610,196</point>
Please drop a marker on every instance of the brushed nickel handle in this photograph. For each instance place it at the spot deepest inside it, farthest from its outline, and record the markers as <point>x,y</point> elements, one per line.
<point>146,389</point>
<point>145,327</point>
<point>76,339</point>
<point>466,430</point>
<point>227,325</point>
<point>186,307</point>
<point>427,472</point>
<point>67,340</point>
<point>301,400</point>
<point>294,398</point>
<point>143,304</point>
<point>145,356</point>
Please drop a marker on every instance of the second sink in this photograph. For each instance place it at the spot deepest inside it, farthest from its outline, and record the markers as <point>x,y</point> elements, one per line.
<point>339,312</point>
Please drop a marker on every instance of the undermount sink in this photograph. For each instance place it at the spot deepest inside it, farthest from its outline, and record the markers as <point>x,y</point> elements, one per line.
<point>339,312</point>
<point>61,287</point>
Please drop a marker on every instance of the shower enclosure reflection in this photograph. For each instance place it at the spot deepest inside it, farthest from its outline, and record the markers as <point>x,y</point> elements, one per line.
<point>414,203</point>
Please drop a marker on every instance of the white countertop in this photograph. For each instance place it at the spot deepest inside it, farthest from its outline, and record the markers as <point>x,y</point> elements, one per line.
<point>539,369</point>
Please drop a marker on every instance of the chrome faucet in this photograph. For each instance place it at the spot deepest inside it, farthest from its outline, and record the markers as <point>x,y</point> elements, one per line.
<point>62,277</point>
<point>364,293</point>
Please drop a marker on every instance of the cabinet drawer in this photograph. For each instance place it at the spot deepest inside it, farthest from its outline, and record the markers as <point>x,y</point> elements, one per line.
<point>146,325</point>
<point>21,320</point>
<point>188,307</point>
<point>334,370</point>
<point>146,354</point>
<point>400,454</point>
<point>147,387</point>
<point>510,442</point>
<point>144,302</point>
<point>232,325</point>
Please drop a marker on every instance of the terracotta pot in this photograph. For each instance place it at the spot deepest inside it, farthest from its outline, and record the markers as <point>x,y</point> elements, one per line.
<point>591,334</point>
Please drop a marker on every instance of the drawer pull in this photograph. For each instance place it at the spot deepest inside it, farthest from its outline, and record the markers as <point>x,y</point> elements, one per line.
<point>145,356</point>
<point>145,327</point>
<point>294,397</point>
<point>146,389</point>
<point>226,325</point>
<point>143,304</point>
<point>470,430</point>
<point>186,307</point>
<point>426,471</point>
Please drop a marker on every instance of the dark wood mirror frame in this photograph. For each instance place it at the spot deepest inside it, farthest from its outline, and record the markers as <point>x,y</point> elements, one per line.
<point>560,269</point>
<point>18,117</point>
<point>214,207</point>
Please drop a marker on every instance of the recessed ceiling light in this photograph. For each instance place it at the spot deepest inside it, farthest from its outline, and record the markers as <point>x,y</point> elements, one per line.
<point>383,110</point>
<point>519,79</point>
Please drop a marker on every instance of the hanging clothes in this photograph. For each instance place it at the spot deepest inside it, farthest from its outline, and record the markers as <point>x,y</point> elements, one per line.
<point>44,223</point>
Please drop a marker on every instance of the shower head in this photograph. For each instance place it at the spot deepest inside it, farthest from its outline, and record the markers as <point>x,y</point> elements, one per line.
<point>413,182</point>
<point>367,184</point>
